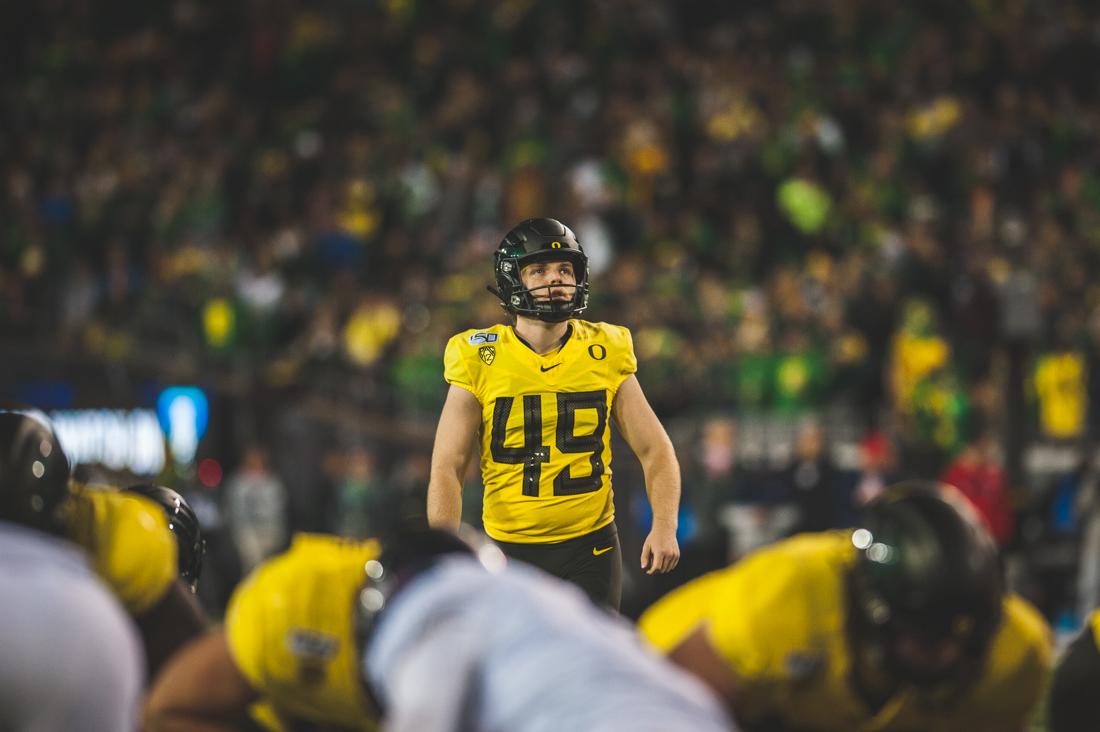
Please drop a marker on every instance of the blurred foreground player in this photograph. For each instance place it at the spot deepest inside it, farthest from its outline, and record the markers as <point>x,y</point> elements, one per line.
<point>1074,704</point>
<point>177,617</point>
<point>136,552</point>
<point>901,624</point>
<point>69,656</point>
<point>434,635</point>
<point>286,656</point>
<point>464,644</point>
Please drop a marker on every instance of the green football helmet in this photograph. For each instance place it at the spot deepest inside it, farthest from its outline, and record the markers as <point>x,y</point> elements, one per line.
<point>539,240</point>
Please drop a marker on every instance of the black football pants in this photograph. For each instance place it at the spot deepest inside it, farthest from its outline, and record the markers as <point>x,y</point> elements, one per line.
<point>1075,691</point>
<point>593,562</point>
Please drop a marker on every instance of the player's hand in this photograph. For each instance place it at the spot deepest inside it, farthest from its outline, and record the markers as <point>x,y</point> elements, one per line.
<point>660,552</point>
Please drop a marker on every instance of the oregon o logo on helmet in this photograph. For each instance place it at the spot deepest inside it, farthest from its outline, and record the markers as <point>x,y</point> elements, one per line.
<point>597,352</point>
<point>555,245</point>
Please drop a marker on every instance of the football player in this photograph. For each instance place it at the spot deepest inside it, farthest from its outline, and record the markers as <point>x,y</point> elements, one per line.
<point>432,635</point>
<point>539,394</point>
<point>286,656</point>
<point>1074,704</point>
<point>135,551</point>
<point>901,624</point>
<point>70,659</point>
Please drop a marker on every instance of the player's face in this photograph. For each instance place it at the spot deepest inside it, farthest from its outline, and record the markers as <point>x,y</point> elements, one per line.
<point>550,280</point>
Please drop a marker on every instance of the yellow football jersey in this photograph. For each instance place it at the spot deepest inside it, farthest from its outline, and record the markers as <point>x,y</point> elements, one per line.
<point>128,541</point>
<point>291,629</point>
<point>545,437</point>
<point>777,617</point>
<point>1093,623</point>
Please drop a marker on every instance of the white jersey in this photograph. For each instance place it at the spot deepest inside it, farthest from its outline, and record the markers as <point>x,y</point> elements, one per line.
<point>70,658</point>
<point>463,649</point>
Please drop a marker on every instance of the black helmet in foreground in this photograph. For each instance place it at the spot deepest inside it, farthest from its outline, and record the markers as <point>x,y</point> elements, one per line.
<point>34,473</point>
<point>926,570</point>
<point>184,524</point>
<point>539,240</point>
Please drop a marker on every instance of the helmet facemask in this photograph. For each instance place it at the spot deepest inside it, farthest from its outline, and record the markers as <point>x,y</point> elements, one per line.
<point>518,299</point>
<point>184,524</point>
<point>881,630</point>
<point>192,551</point>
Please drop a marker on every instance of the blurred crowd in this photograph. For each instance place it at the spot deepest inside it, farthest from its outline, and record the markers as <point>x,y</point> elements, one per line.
<point>867,222</point>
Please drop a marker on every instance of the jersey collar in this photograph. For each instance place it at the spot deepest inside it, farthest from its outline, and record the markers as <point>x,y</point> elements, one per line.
<point>561,343</point>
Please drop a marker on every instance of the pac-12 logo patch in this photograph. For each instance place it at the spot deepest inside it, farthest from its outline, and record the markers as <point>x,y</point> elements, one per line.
<point>478,338</point>
<point>488,354</point>
<point>312,650</point>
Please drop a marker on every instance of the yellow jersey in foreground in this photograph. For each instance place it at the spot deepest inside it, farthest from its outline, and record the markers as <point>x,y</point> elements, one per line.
<point>545,436</point>
<point>778,618</point>
<point>291,630</point>
<point>1092,622</point>
<point>128,541</point>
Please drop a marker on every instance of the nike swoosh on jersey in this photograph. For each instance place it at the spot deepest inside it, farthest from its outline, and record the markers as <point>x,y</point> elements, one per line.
<point>597,552</point>
<point>544,369</point>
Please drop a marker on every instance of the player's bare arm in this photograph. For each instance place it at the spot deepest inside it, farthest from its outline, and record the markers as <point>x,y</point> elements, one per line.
<point>647,438</point>
<point>200,690</point>
<point>167,626</point>
<point>459,423</point>
<point>698,655</point>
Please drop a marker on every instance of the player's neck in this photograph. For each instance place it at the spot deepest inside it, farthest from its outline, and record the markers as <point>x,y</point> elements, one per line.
<point>543,337</point>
